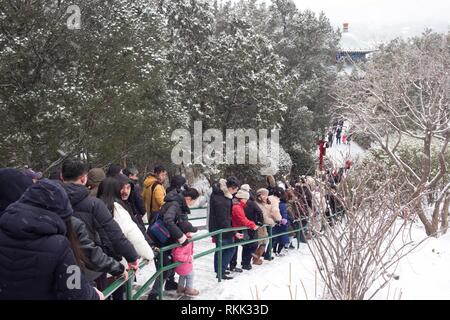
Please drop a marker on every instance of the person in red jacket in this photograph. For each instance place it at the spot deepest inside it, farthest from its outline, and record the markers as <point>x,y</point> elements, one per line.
<point>322,152</point>
<point>239,219</point>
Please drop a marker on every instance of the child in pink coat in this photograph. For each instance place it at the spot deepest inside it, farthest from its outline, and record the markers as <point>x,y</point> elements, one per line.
<point>185,254</point>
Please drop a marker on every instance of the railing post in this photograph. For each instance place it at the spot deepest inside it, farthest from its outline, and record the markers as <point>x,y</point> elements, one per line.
<point>219,260</point>
<point>161,276</point>
<point>130,287</point>
<point>270,243</point>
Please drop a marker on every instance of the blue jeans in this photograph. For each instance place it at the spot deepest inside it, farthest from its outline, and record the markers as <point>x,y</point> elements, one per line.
<point>227,255</point>
<point>186,281</point>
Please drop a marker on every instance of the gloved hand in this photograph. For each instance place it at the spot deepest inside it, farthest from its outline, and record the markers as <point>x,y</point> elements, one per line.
<point>283,221</point>
<point>183,240</point>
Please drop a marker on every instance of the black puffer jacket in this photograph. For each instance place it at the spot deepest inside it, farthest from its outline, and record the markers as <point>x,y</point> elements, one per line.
<point>99,262</point>
<point>173,211</point>
<point>13,184</point>
<point>220,205</point>
<point>101,227</point>
<point>36,259</point>
<point>253,213</point>
<point>136,201</point>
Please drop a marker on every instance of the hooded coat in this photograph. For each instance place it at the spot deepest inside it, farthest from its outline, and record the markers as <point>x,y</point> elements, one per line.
<point>36,259</point>
<point>253,212</point>
<point>173,212</point>
<point>271,211</point>
<point>13,184</point>
<point>220,205</point>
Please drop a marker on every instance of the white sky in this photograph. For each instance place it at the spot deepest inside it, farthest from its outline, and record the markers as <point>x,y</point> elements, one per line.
<point>383,19</point>
<point>381,12</point>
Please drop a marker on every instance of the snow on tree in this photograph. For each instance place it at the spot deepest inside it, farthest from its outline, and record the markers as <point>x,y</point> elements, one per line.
<point>405,93</point>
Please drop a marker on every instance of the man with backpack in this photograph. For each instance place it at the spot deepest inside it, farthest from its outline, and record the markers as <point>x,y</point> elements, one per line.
<point>154,192</point>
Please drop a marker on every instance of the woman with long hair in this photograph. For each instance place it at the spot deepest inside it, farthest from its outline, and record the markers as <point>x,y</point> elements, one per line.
<point>109,192</point>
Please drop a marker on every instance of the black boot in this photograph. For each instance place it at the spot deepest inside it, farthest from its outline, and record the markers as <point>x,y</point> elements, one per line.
<point>152,296</point>
<point>170,285</point>
<point>225,277</point>
<point>235,269</point>
<point>247,266</point>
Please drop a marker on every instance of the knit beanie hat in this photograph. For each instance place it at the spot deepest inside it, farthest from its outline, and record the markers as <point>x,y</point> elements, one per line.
<point>244,192</point>
<point>262,191</point>
<point>95,176</point>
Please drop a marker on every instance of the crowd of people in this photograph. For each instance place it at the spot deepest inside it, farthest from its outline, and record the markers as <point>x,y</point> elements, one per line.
<point>338,132</point>
<point>70,235</point>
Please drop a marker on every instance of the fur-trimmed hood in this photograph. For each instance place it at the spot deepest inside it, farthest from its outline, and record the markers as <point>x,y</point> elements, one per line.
<point>271,181</point>
<point>221,188</point>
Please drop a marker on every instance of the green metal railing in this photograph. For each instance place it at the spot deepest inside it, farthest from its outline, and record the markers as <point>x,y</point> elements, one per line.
<point>220,247</point>
<point>191,219</point>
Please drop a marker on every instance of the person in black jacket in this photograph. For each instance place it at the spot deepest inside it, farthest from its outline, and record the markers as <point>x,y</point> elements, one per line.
<point>13,184</point>
<point>40,257</point>
<point>220,205</point>
<point>97,262</point>
<point>135,196</point>
<point>134,202</point>
<point>102,228</point>
<point>335,207</point>
<point>253,213</point>
<point>127,203</point>
<point>174,211</point>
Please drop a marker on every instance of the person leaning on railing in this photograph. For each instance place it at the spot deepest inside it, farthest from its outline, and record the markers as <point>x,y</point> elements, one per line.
<point>269,206</point>
<point>41,256</point>
<point>254,213</point>
<point>220,205</point>
<point>103,230</point>
<point>239,219</point>
<point>174,211</point>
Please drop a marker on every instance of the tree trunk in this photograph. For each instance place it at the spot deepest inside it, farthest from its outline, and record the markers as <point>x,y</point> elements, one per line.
<point>430,228</point>
<point>444,214</point>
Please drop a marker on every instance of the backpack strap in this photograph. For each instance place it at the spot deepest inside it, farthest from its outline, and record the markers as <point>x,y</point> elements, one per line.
<point>152,189</point>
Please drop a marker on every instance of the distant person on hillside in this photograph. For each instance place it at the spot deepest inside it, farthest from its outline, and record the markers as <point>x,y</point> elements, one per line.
<point>338,135</point>
<point>330,138</point>
<point>322,152</point>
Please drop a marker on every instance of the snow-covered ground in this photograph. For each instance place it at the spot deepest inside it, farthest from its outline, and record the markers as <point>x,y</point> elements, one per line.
<point>339,153</point>
<point>422,274</point>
